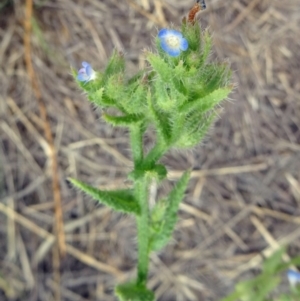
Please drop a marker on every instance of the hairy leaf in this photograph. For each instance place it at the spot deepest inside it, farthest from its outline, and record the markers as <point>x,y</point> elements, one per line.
<point>115,65</point>
<point>135,100</point>
<point>162,122</point>
<point>161,238</point>
<point>134,292</point>
<point>272,263</point>
<point>161,67</point>
<point>158,172</point>
<point>120,200</point>
<point>125,121</point>
<point>195,129</point>
<point>207,102</point>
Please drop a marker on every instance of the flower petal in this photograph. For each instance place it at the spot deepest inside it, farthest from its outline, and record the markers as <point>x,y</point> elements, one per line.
<point>293,277</point>
<point>163,32</point>
<point>165,46</point>
<point>184,44</point>
<point>175,33</point>
<point>172,41</point>
<point>169,50</point>
<point>82,70</point>
<point>82,77</point>
<point>85,64</point>
<point>174,52</point>
<point>89,70</point>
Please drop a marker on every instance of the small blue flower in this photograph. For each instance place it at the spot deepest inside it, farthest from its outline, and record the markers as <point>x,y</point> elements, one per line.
<point>293,277</point>
<point>86,73</point>
<point>172,41</point>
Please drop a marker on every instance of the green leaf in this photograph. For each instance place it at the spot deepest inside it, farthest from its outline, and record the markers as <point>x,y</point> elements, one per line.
<point>155,154</point>
<point>260,287</point>
<point>285,265</point>
<point>115,89</point>
<point>201,82</point>
<point>158,212</point>
<point>157,219</point>
<point>134,100</point>
<point>195,129</point>
<point>115,65</point>
<point>136,142</point>
<point>272,263</point>
<point>126,121</point>
<point>97,98</point>
<point>136,78</point>
<point>266,286</point>
<point>232,297</point>
<point>257,289</point>
<point>162,122</point>
<point>207,102</point>
<point>216,75</point>
<point>207,46</point>
<point>161,67</point>
<point>161,96</point>
<point>158,172</point>
<point>134,292</point>
<point>193,35</point>
<point>285,298</point>
<point>120,200</point>
<point>295,261</point>
<point>160,239</point>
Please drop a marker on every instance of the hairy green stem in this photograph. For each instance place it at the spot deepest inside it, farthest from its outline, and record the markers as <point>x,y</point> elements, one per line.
<point>136,142</point>
<point>155,153</point>
<point>141,194</point>
<point>141,191</point>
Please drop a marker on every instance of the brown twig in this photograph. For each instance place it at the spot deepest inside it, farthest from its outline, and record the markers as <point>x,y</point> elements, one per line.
<point>199,5</point>
<point>47,130</point>
<point>59,229</point>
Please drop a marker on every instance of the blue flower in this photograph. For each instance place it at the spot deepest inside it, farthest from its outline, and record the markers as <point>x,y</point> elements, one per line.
<point>172,41</point>
<point>86,73</point>
<point>293,277</point>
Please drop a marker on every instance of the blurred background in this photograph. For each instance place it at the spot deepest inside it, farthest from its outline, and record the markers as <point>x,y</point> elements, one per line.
<point>244,197</point>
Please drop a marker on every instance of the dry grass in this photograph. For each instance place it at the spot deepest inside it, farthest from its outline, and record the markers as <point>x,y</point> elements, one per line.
<point>243,201</point>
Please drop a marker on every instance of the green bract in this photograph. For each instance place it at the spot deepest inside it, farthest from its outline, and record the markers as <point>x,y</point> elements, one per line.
<point>177,96</point>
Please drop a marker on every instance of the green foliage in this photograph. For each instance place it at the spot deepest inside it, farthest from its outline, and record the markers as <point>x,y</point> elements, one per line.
<point>126,121</point>
<point>185,90</point>
<point>134,292</point>
<point>176,97</point>
<point>164,217</point>
<point>192,34</point>
<point>260,287</point>
<point>120,200</point>
<point>136,142</point>
<point>206,103</point>
<point>115,65</point>
<point>195,132</point>
<point>157,172</point>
